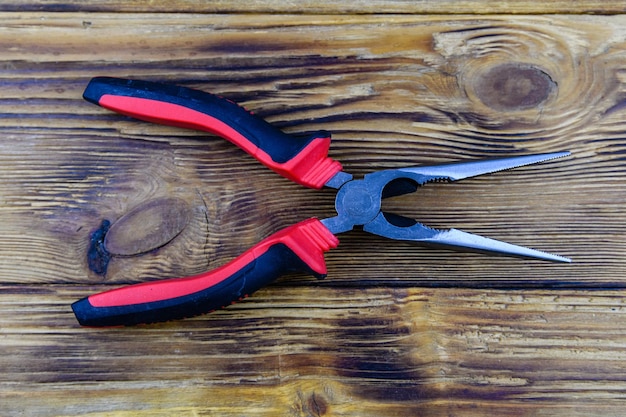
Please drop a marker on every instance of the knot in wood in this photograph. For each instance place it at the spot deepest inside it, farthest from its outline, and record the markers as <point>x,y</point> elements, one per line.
<point>316,405</point>
<point>148,226</point>
<point>514,86</point>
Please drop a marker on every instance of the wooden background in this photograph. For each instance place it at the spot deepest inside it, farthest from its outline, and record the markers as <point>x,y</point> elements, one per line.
<point>395,330</point>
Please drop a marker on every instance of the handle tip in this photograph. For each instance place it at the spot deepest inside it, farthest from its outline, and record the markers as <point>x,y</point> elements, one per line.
<point>81,309</point>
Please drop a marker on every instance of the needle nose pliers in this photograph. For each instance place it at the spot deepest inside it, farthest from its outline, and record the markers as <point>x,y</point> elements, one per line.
<point>297,248</point>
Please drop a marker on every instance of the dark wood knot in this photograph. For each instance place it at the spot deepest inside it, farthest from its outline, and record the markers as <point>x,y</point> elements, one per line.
<point>316,405</point>
<point>514,86</point>
<point>148,226</point>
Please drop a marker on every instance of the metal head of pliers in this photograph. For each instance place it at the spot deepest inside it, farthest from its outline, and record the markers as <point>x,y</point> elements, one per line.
<point>358,203</point>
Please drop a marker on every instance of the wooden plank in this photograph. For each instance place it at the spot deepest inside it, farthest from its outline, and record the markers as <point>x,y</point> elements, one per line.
<point>372,339</point>
<point>324,6</point>
<point>395,91</point>
<point>323,352</point>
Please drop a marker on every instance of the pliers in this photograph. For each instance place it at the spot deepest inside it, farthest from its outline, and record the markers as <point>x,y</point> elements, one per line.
<point>297,248</point>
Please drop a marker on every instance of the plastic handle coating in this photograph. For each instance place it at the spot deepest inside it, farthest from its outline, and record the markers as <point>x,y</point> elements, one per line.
<point>298,248</point>
<point>302,159</point>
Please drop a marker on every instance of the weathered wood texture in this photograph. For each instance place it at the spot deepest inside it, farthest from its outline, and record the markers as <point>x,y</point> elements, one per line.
<point>325,352</point>
<point>508,337</point>
<point>323,6</point>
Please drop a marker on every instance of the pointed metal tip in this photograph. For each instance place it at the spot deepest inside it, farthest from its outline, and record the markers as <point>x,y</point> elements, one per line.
<point>460,170</point>
<point>458,239</point>
<point>401,228</point>
<point>544,157</point>
<point>560,154</point>
<point>562,259</point>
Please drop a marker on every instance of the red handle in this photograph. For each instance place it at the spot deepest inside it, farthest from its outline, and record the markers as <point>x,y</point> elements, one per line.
<point>302,159</point>
<point>299,247</point>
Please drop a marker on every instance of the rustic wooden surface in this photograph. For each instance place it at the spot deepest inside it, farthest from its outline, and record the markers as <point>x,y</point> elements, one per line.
<point>394,330</point>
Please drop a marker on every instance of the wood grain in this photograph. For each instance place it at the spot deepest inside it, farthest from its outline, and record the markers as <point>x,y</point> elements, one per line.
<point>315,352</point>
<point>418,99</point>
<point>395,329</point>
<point>447,7</point>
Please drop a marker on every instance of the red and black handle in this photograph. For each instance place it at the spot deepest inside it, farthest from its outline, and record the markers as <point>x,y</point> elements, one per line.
<point>298,248</point>
<point>302,159</point>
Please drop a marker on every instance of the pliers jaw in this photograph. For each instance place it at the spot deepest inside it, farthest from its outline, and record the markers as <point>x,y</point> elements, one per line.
<point>358,203</point>
<point>401,228</point>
